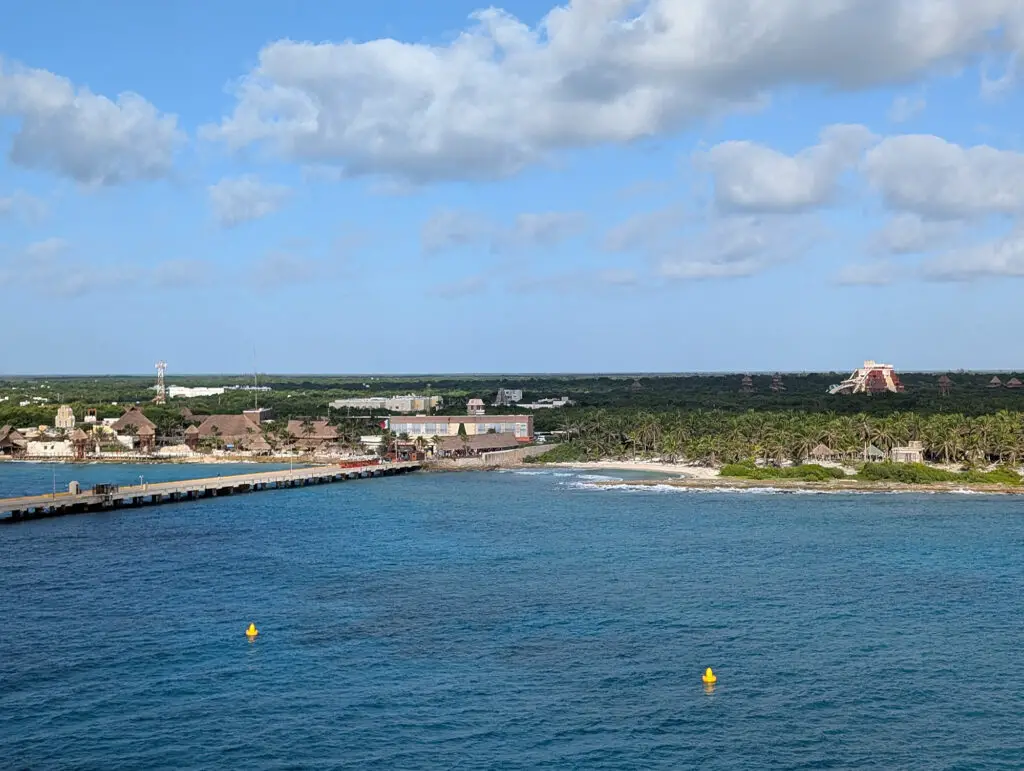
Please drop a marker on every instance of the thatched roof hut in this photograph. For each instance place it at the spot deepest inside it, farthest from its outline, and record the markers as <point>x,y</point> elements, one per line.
<point>133,417</point>
<point>822,452</point>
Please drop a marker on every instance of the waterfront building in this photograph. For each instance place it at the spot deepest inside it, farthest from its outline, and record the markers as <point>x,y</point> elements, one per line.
<point>519,426</point>
<point>65,418</point>
<point>233,430</point>
<point>312,433</point>
<point>453,446</point>
<point>872,378</point>
<point>50,449</point>
<point>132,417</point>
<point>912,453</point>
<point>12,442</point>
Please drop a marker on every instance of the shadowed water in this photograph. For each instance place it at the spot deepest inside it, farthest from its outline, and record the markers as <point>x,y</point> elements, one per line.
<point>514,621</point>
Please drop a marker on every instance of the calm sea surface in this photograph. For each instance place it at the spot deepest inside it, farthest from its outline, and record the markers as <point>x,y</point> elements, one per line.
<point>511,621</point>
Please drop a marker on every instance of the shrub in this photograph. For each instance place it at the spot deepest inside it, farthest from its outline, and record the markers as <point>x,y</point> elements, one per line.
<point>810,472</point>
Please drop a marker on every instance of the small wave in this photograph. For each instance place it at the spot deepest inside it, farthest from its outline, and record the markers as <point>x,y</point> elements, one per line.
<point>599,478</point>
<point>634,488</point>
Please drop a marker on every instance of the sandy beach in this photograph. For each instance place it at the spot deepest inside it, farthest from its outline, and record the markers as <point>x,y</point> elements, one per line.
<point>833,486</point>
<point>677,469</point>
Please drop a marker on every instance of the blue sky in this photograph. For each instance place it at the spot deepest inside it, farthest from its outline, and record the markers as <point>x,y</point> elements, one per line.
<point>606,185</point>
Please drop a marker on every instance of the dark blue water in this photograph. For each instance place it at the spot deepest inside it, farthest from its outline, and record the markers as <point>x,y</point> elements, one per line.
<point>510,621</point>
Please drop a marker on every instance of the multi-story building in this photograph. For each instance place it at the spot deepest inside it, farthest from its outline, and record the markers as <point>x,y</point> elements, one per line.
<point>475,407</point>
<point>65,418</point>
<point>508,396</point>
<point>407,403</point>
<point>427,426</point>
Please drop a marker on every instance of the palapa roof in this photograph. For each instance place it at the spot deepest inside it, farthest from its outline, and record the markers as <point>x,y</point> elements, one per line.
<point>1013,383</point>
<point>874,452</point>
<point>821,451</point>
<point>147,431</point>
<point>480,443</point>
<point>191,430</point>
<point>944,379</point>
<point>227,426</point>
<point>78,435</point>
<point>10,435</point>
<point>320,430</point>
<point>132,417</point>
<point>995,381</point>
<point>257,443</point>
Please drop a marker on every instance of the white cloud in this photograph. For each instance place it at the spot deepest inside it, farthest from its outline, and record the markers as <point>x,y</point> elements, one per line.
<point>753,178</point>
<point>905,108</point>
<point>45,250</point>
<point>646,231</point>
<point>1001,257</point>
<point>735,247</point>
<point>243,199</point>
<point>502,94</point>
<point>866,274</point>
<point>48,267</point>
<point>910,234</point>
<point>993,88</point>
<point>456,229</point>
<point>85,136</point>
<point>27,208</point>
<point>933,178</point>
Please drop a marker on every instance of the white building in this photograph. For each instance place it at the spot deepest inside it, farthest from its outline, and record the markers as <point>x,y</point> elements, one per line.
<point>475,407</point>
<point>548,404</point>
<point>407,403</point>
<point>188,392</point>
<point>508,396</point>
<point>428,426</point>
<point>65,418</point>
<point>49,450</point>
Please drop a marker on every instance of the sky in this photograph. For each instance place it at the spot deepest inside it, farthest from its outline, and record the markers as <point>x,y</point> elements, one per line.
<point>597,186</point>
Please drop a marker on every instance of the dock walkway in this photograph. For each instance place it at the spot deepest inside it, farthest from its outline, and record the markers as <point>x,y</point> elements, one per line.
<point>153,493</point>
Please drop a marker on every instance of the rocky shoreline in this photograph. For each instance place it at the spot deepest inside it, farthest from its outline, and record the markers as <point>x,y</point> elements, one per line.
<point>834,486</point>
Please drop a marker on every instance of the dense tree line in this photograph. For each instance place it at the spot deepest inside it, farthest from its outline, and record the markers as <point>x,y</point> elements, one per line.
<point>775,437</point>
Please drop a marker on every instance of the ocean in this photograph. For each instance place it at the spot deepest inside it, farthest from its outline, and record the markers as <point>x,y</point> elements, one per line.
<point>517,620</point>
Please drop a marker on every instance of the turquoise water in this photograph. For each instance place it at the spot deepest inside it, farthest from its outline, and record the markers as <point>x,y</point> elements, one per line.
<point>514,621</point>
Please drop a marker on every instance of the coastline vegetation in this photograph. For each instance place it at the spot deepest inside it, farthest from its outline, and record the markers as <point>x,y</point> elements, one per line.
<point>774,438</point>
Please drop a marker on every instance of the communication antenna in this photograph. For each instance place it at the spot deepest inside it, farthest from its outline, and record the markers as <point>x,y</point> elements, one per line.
<point>161,389</point>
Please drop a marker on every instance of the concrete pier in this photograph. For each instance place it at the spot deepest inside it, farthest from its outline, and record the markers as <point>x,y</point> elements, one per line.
<point>63,503</point>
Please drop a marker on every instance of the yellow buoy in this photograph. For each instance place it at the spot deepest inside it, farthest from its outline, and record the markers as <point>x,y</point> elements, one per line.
<point>709,677</point>
<point>252,632</point>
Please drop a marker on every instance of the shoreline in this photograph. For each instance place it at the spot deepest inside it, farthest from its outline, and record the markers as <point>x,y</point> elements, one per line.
<point>674,469</point>
<point>835,486</point>
<point>706,478</point>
